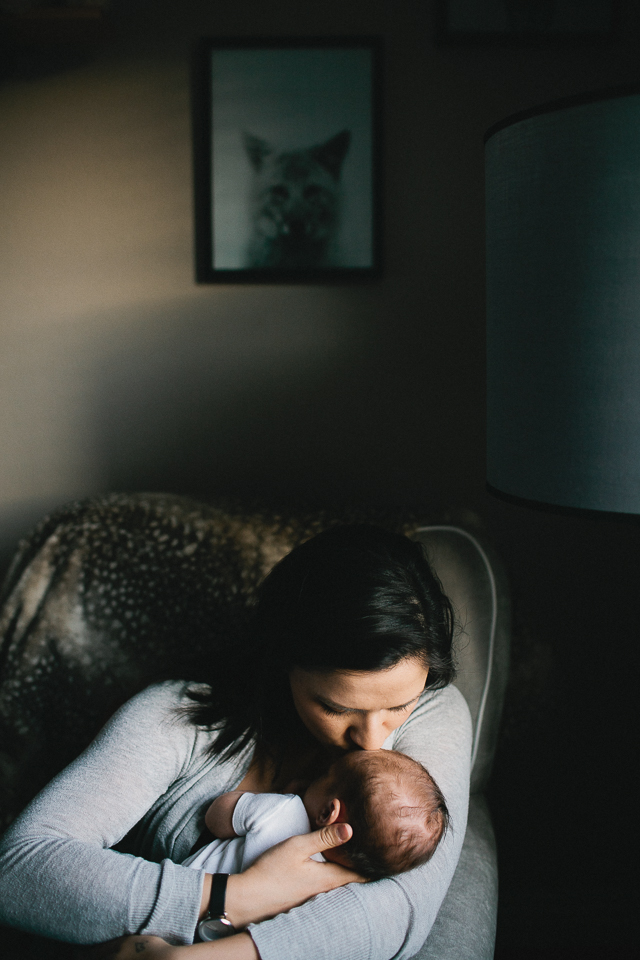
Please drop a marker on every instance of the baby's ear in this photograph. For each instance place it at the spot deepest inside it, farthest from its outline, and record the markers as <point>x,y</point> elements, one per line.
<point>332,812</point>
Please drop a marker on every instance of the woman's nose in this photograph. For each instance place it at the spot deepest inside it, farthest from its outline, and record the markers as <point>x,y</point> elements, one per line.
<point>368,733</point>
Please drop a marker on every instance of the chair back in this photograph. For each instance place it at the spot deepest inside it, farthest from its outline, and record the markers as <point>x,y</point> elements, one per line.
<point>474,580</point>
<point>106,596</point>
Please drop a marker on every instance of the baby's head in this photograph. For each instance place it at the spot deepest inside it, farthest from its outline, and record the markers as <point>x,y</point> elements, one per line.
<point>394,806</point>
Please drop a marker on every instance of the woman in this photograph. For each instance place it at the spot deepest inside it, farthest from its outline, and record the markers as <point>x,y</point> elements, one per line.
<point>350,649</point>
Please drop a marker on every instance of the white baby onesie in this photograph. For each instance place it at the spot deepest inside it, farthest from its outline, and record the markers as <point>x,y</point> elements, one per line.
<point>260,820</point>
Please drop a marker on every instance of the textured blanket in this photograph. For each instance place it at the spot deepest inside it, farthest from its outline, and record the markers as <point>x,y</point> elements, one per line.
<point>107,596</point>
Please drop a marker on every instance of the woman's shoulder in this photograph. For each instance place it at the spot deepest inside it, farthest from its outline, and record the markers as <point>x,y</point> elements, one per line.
<point>166,696</point>
<point>159,707</point>
<point>438,734</point>
<point>447,698</point>
<point>442,708</point>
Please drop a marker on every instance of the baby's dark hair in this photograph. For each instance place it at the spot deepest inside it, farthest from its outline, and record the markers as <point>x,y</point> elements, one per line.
<point>395,807</point>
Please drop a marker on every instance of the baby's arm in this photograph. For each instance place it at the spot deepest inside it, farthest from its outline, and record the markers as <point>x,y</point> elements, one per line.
<point>219,816</point>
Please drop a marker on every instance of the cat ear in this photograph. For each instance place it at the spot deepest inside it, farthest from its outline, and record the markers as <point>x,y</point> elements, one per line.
<point>332,153</point>
<point>257,150</point>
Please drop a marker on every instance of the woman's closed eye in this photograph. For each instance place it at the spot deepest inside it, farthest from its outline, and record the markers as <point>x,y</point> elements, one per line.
<point>332,711</point>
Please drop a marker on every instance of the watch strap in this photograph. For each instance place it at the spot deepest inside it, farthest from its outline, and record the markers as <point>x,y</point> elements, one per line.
<point>218,895</point>
<point>215,924</point>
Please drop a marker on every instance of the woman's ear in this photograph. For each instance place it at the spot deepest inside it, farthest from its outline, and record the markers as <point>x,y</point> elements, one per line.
<point>330,813</point>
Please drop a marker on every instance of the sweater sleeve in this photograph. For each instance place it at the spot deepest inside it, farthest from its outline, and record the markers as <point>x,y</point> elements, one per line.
<point>390,918</point>
<point>57,851</point>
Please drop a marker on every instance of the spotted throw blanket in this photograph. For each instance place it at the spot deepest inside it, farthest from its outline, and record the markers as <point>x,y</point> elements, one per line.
<point>109,595</point>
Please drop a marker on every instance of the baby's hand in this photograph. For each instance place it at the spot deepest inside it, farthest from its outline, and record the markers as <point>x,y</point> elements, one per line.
<point>219,816</point>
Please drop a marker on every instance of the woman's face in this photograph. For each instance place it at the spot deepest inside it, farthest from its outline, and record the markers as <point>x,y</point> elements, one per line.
<point>357,709</point>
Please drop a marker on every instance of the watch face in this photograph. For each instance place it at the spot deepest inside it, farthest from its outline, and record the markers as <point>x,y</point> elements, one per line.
<point>214,928</point>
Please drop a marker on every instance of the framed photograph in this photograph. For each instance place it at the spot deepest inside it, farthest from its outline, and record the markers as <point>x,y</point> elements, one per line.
<point>527,21</point>
<point>287,160</point>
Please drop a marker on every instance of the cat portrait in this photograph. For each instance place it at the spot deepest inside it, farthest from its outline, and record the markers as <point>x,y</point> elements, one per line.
<point>295,203</point>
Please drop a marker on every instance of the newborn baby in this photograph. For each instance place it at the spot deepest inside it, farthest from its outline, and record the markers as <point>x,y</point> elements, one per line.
<point>395,808</point>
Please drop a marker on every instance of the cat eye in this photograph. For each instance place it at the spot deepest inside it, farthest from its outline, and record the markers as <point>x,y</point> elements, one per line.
<point>312,192</point>
<point>279,192</point>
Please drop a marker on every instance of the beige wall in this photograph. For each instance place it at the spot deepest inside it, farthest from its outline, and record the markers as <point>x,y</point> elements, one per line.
<point>118,371</point>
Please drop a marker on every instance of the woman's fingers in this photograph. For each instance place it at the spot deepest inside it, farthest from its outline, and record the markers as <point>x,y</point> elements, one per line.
<point>330,836</point>
<point>285,876</point>
<point>100,951</point>
<point>327,841</point>
<point>305,845</point>
<point>126,948</point>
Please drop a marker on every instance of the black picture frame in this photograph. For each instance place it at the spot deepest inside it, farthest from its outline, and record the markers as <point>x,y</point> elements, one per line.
<point>286,148</point>
<point>527,22</point>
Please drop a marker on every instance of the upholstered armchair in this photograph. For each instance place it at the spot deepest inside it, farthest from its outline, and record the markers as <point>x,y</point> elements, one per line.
<point>108,595</point>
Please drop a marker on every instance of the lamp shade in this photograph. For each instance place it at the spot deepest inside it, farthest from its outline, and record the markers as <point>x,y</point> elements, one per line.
<point>563,304</point>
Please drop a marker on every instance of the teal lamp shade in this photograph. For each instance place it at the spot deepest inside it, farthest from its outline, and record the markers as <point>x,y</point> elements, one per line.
<point>563,304</point>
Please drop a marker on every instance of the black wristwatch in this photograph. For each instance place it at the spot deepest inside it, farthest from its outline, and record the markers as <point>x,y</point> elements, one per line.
<point>216,925</point>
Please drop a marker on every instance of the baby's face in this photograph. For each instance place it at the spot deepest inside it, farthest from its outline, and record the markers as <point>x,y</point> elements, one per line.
<point>317,800</point>
<point>325,791</point>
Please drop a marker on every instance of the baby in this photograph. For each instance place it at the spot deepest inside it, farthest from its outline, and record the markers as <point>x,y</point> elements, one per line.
<point>395,808</point>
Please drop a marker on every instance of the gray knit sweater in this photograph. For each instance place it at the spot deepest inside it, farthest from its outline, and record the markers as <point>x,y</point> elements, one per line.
<point>148,772</point>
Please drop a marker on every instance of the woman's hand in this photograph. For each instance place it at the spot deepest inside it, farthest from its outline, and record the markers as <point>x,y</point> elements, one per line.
<point>142,947</point>
<point>282,878</point>
<point>285,876</point>
<point>138,947</point>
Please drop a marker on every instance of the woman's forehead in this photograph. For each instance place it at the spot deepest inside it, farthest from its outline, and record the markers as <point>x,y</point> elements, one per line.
<point>364,689</point>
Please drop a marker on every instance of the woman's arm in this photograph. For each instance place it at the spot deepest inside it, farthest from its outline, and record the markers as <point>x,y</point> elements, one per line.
<point>58,876</point>
<point>275,883</point>
<point>240,947</point>
<point>368,921</point>
<point>392,917</point>
<point>140,947</point>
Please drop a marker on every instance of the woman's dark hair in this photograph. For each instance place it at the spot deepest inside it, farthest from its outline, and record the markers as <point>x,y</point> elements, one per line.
<point>354,597</point>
